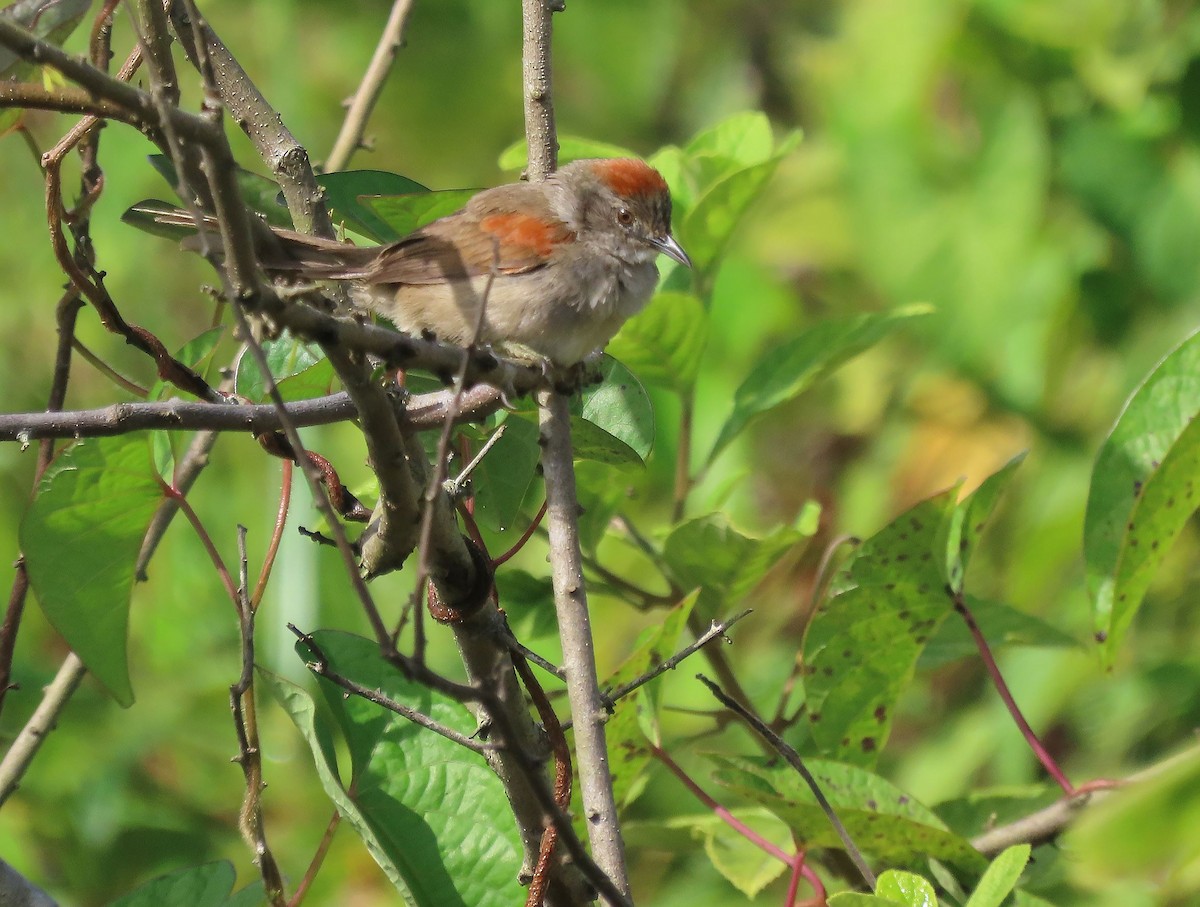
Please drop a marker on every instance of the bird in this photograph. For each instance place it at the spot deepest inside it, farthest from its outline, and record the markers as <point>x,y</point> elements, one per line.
<point>557,265</point>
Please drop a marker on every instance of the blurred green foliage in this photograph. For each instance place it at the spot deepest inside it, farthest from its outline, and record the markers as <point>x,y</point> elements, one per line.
<point>1031,170</point>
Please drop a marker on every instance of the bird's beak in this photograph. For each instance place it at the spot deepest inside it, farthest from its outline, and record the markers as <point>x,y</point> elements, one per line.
<point>669,247</point>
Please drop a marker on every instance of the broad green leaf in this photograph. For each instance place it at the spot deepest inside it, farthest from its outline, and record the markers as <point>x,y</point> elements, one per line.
<point>882,820</point>
<point>789,370</point>
<point>706,230</point>
<point>635,717</point>
<point>1144,831</point>
<point>858,899</point>
<point>528,601</point>
<point>1001,877</point>
<point>288,359</point>
<point>431,813</point>
<point>1142,492</point>
<point>193,354</point>
<point>405,213</point>
<point>664,344</point>
<point>967,522</point>
<point>207,885</point>
<point>708,552</point>
<point>504,474</point>
<point>570,148</point>
<point>744,139</point>
<point>591,442</point>
<point>907,888</point>
<point>621,407</point>
<point>738,859</point>
<point>1001,625</point>
<point>862,643</point>
<point>347,193</point>
<point>81,537</point>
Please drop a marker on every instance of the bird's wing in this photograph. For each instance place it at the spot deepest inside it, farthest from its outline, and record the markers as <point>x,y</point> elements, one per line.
<point>511,229</point>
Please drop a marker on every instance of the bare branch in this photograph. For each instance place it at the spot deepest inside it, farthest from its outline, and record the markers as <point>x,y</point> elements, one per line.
<point>588,705</point>
<point>391,40</point>
<point>540,132</point>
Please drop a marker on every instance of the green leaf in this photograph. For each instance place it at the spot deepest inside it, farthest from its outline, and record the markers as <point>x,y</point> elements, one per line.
<point>208,885</point>
<point>621,407</point>
<point>738,859</point>
<point>591,442</point>
<point>81,537</point>
<point>881,819</point>
<point>708,552</point>
<point>968,520</point>
<point>528,601</point>
<point>664,344</point>
<point>1143,491</point>
<point>253,895</point>
<point>858,899</point>
<point>347,193</point>
<point>192,354</point>
<point>744,139</point>
<point>789,370</point>
<point>636,716</point>
<point>1141,832</point>
<point>906,888</point>
<point>1001,877</point>
<point>51,20</point>
<point>504,475</point>
<point>570,148</point>
<point>862,643</point>
<point>1001,625</point>
<point>405,213</point>
<point>300,362</point>
<point>431,813</point>
<point>706,230</point>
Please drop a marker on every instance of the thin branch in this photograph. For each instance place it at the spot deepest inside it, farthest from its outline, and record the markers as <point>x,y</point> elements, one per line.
<point>314,865</point>
<point>40,724</point>
<point>588,705</point>
<point>319,664</point>
<point>525,537</point>
<point>540,132</point>
<point>793,759</point>
<point>350,138</point>
<point>716,631</point>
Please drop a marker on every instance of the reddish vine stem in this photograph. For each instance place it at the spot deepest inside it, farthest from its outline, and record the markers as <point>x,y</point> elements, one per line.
<point>314,865</point>
<point>989,662</point>
<point>285,500</point>
<point>525,537</point>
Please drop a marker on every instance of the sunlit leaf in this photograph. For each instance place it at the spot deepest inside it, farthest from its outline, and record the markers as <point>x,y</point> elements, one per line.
<point>81,537</point>
<point>1143,491</point>
<point>789,370</point>
<point>405,213</point>
<point>664,344</point>
<point>883,821</point>
<point>862,644</point>
<point>51,20</point>
<point>967,522</point>
<point>620,406</point>
<point>1001,877</point>
<point>907,888</point>
<point>299,364</point>
<point>350,197</point>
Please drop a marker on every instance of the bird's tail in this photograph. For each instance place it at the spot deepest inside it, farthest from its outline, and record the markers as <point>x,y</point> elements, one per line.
<point>280,251</point>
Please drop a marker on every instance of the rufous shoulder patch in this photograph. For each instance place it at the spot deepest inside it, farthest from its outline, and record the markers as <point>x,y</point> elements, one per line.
<point>526,231</point>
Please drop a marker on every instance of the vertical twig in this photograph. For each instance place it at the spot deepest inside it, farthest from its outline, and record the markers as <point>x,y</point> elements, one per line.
<point>350,137</point>
<point>588,707</point>
<point>540,131</point>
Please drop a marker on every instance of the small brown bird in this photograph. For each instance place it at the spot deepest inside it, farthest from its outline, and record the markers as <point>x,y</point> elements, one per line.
<point>569,260</point>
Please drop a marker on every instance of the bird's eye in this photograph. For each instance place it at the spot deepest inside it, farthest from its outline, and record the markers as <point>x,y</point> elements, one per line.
<point>624,217</point>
